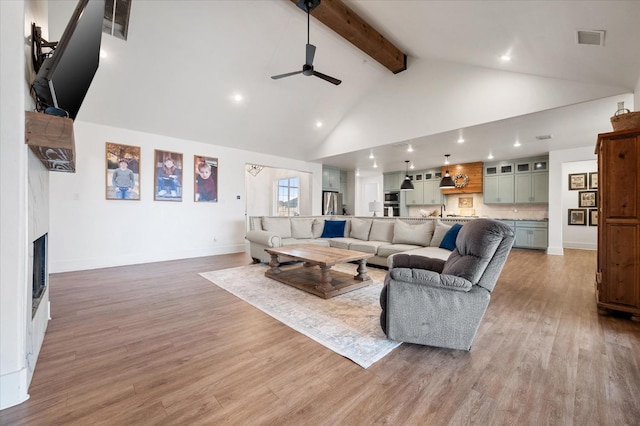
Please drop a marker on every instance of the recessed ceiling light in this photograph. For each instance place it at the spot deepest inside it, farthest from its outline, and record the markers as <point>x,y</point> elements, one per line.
<point>412,166</point>
<point>490,157</point>
<point>446,160</point>
<point>461,140</point>
<point>410,149</point>
<point>505,58</point>
<point>375,165</point>
<point>517,144</point>
<point>238,97</point>
<point>371,157</point>
<point>318,123</point>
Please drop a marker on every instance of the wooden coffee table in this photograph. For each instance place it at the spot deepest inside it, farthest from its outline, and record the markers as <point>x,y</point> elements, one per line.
<point>321,281</point>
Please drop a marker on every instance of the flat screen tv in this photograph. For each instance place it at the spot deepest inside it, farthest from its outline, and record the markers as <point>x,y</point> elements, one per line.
<point>64,77</point>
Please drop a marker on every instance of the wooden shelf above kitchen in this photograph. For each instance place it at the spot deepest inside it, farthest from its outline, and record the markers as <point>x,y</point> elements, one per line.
<point>51,139</point>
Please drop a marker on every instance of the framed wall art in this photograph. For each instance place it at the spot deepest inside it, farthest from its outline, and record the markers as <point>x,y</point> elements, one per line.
<point>587,199</point>
<point>577,216</point>
<point>122,172</point>
<point>168,176</point>
<point>205,182</point>
<point>577,181</point>
<point>465,202</point>
<point>593,180</point>
<point>593,217</point>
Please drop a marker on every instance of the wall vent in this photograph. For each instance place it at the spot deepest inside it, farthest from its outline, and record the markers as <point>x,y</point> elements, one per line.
<point>543,137</point>
<point>590,37</point>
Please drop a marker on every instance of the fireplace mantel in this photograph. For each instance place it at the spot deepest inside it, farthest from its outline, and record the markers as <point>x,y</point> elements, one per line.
<point>51,139</point>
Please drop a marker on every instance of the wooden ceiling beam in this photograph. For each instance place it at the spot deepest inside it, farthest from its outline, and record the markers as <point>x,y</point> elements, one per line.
<point>344,21</point>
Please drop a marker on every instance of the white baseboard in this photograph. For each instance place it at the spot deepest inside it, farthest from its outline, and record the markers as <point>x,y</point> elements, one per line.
<point>558,251</point>
<point>13,388</point>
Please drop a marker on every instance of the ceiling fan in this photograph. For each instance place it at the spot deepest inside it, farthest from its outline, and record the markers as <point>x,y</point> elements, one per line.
<point>307,68</point>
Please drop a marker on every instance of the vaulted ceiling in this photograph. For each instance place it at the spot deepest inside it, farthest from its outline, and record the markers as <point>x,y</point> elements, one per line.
<point>185,61</point>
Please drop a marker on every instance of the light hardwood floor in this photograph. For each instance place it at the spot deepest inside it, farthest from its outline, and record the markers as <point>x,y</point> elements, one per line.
<point>157,344</point>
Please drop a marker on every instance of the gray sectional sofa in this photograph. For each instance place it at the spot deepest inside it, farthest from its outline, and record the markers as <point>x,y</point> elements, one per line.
<point>381,236</point>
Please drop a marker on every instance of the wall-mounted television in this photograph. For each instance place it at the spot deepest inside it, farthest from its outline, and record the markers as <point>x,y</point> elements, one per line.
<point>64,77</point>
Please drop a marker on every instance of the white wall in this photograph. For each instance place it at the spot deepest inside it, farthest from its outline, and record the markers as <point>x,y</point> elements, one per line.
<point>20,336</point>
<point>260,195</point>
<point>577,236</point>
<point>636,97</point>
<point>87,231</point>
<point>558,183</point>
<point>363,185</point>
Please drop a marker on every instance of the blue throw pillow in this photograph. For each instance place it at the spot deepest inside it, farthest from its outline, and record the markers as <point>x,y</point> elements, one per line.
<point>449,240</point>
<point>333,228</point>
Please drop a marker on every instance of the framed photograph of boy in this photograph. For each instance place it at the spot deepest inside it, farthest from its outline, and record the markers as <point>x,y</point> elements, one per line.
<point>168,176</point>
<point>577,181</point>
<point>577,216</point>
<point>587,199</point>
<point>593,217</point>
<point>593,180</point>
<point>122,172</point>
<point>205,183</point>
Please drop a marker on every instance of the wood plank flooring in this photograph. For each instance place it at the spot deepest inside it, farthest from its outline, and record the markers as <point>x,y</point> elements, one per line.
<point>156,344</point>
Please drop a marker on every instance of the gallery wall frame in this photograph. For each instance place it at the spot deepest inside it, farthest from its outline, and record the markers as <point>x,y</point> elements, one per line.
<point>577,217</point>
<point>588,199</point>
<point>167,176</point>
<point>593,217</point>
<point>577,181</point>
<point>205,181</point>
<point>122,172</point>
<point>593,180</point>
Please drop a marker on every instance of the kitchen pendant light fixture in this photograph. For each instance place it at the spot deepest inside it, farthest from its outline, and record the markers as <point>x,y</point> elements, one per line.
<point>447,182</point>
<point>406,184</point>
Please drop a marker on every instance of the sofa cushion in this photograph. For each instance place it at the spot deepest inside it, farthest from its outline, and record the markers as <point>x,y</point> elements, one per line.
<point>436,252</point>
<point>301,228</point>
<point>360,229</point>
<point>439,233</point>
<point>388,250</point>
<point>293,241</point>
<point>381,230</point>
<point>317,228</point>
<point>279,225</point>
<point>333,228</point>
<point>430,278</point>
<point>367,246</point>
<point>449,240</point>
<point>342,242</point>
<point>404,233</point>
<point>418,262</point>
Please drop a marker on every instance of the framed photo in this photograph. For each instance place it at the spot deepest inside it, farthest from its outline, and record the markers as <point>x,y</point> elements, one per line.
<point>577,216</point>
<point>588,199</point>
<point>593,180</point>
<point>122,172</point>
<point>465,202</point>
<point>205,183</point>
<point>168,176</point>
<point>577,181</point>
<point>593,217</point>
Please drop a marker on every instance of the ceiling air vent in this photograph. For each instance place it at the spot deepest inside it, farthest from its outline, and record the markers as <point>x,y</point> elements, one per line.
<point>590,37</point>
<point>543,137</point>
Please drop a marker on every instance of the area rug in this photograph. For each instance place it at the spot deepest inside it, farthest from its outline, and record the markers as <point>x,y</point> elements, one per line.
<point>348,324</point>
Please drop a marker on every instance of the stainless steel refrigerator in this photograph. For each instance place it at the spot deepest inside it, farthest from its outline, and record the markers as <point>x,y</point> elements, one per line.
<point>331,203</point>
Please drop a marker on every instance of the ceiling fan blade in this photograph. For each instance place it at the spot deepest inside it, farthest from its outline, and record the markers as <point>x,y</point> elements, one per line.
<point>311,52</point>
<point>327,78</point>
<point>275,77</point>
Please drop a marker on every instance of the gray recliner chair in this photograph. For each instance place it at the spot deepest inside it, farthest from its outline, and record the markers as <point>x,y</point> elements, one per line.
<point>437,303</point>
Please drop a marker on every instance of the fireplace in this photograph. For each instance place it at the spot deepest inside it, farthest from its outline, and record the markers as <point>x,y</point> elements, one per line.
<point>39,270</point>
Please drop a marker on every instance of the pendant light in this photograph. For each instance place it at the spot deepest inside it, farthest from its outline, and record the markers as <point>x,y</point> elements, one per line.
<point>447,182</point>
<point>406,184</point>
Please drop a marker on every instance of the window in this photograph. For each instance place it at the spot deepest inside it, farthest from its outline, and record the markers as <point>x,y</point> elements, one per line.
<point>288,197</point>
<point>116,18</point>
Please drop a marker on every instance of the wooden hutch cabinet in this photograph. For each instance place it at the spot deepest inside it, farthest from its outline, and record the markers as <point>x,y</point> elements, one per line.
<point>618,274</point>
